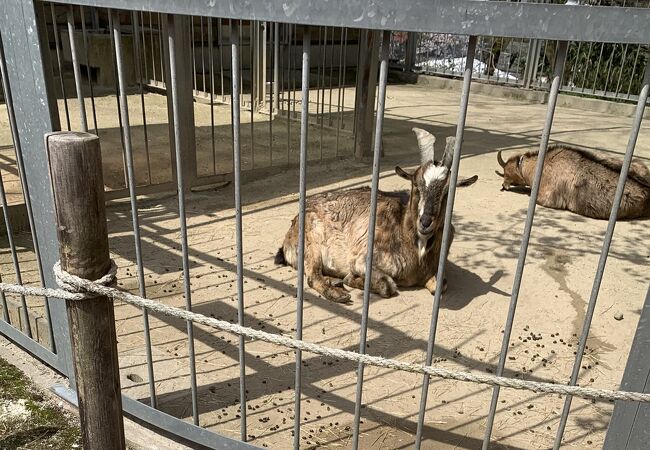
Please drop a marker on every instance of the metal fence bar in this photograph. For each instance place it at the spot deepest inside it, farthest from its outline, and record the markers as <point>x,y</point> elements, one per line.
<point>55,28</point>
<point>379,124</point>
<point>300,289</point>
<point>123,99</point>
<point>236,147</point>
<point>76,69</point>
<point>117,96</point>
<point>552,100</point>
<point>27,328</point>
<point>541,21</point>
<point>138,76</point>
<point>271,29</point>
<point>8,96</point>
<point>172,36</point>
<point>88,73</point>
<point>211,57</point>
<point>602,261</point>
<point>446,234</point>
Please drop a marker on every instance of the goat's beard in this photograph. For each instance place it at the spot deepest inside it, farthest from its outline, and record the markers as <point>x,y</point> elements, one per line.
<point>423,241</point>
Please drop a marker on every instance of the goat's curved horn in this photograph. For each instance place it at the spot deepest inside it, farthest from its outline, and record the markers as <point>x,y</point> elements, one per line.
<point>499,173</point>
<point>426,142</point>
<point>502,163</point>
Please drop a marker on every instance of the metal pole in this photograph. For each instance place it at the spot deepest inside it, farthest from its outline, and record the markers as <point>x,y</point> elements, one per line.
<point>602,261</point>
<point>300,290</point>
<point>77,70</point>
<point>78,186</point>
<point>58,59</point>
<point>236,147</point>
<point>383,79</point>
<point>446,233</point>
<point>124,107</point>
<point>172,35</point>
<point>88,73</point>
<point>560,58</point>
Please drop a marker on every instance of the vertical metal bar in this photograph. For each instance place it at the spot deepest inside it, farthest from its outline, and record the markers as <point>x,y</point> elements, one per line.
<point>600,57</point>
<point>609,69</point>
<point>117,97</point>
<point>21,169</point>
<point>636,59</point>
<point>153,51</point>
<point>289,57</point>
<point>276,63</point>
<point>211,56</point>
<point>555,87</point>
<point>252,41</point>
<point>117,38</point>
<point>14,258</point>
<point>320,49</point>
<point>58,59</point>
<point>293,75</point>
<point>446,233</point>
<point>202,56</point>
<point>160,48</point>
<point>345,71</point>
<point>575,65</point>
<point>144,47</point>
<point>77,70</point>
<point>220,30</point>
<point>178,145</point>
<point>88,73</point>
<point>587,63</point>
<point>304,128</point>
<point>271,28</point>
<point>322,96</point>
<point>620,70</point>
<point>193,50</point>
<point>26,69</point>
<point>383,79</point>
<point>138,75</point>
<point>236,123</point>
<point>329,117</point>
<point>339,106</point>
<point>8,97</point>
<point>602,261</point>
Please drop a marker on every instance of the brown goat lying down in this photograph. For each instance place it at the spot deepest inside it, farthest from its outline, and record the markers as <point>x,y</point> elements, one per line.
<point>407,238</point>
<point>581,182</point>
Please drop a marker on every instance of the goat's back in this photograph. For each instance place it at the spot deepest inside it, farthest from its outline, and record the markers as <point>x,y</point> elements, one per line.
<point>585,183</point>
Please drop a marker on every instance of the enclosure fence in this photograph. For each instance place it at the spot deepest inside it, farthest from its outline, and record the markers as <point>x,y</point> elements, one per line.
<point>163,34</point>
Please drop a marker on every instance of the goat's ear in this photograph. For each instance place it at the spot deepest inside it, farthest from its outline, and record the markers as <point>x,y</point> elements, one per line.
<point>426,142</point>
<point>448,156</point>
<point>403,173</point>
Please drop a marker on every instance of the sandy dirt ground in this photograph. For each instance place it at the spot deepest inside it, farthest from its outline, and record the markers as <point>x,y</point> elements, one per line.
<point>560,266</point>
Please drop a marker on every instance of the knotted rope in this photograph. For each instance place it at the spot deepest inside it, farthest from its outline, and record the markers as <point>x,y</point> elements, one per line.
<point>75,288</point>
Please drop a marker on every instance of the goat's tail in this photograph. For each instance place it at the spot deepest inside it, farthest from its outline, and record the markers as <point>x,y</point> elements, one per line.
<point>280,260</point>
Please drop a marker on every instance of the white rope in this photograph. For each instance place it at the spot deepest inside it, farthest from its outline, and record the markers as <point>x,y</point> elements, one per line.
<point>75,288</point>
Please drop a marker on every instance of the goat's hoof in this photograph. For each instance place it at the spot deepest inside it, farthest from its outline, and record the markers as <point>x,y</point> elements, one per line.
<point>337,295</point>
<point>387,288</point>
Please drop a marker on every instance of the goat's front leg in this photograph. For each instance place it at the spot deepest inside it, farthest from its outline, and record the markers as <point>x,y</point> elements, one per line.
<point>380,282</point>
<point>431,283</point>
<point>326,286</point>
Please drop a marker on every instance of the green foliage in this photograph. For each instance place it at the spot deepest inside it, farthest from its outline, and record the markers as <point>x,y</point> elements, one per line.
<point>615,68</point>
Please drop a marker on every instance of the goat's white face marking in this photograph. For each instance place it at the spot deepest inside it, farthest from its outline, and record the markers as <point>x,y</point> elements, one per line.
<point>433,173</point>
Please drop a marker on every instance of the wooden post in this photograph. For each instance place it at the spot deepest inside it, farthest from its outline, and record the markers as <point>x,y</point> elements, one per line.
<point>78,187</point>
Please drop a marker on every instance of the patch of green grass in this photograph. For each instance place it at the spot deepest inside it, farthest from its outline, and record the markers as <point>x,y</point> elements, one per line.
<point>40,425</point>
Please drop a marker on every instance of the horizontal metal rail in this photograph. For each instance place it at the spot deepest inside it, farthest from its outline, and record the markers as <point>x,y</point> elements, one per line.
<point>471,17</point>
